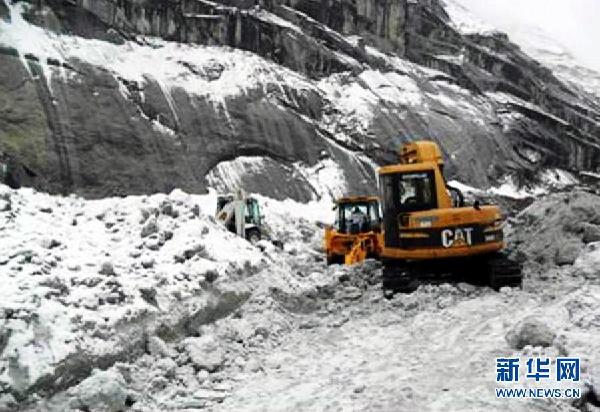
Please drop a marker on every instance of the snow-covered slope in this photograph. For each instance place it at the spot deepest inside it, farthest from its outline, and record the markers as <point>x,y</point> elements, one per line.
<point>535,41</point>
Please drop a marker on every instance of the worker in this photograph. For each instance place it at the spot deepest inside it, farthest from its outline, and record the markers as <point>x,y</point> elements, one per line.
<point>357,220</point>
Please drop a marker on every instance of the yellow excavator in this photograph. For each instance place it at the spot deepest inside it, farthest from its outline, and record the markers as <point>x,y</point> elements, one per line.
<point>429,231</point>
<point>356,233</point>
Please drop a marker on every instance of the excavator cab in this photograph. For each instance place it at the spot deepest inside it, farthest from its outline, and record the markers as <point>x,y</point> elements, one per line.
<point>424,220</point>
<point>356,233</point>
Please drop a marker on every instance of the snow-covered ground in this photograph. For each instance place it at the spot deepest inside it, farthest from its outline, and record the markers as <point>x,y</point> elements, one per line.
<point>146,303</point>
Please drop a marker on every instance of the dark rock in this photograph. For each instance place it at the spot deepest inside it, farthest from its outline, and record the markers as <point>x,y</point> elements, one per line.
<point>107,269</point>
<point>148,263</point>
<point>344,277</point>
<point>198,249</point>
<point>166,208</point>
<point>211,276</point>
<point>145,214</point>
<point>567,253</point>
<point>115,37</point>
<point>196,210</point>
<point>50,243</point>
<point>531,331</point>
<point>4,335</point>
<point>167,235</point>
<point>591,233</point>
<point>149,295</point>
<point>102,391</point>
<point>150,227</point>
<point>4,13</point>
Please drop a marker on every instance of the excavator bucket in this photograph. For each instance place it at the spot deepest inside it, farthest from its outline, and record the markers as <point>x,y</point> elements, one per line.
<point>359,251</point>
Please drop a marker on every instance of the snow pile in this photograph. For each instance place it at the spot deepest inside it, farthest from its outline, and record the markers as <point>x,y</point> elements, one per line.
<point>145,302</point>
<point>81,275</point>
<point>555,229</point>
<point>131,281</point>
<point>508,188</point>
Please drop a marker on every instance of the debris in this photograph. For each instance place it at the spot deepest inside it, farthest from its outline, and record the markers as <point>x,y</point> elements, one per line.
<point>149,295</point>
<point>204,352</point>
<point>107,269</point>
<point>103,391</point>
<point>150,227</point>
<point>157,347</point>
<point>530,331</point>
<point>567,253</point>
<point>148,262</point>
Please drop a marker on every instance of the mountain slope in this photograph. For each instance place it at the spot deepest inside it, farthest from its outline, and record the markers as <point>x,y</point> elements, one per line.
<point>121,98</point>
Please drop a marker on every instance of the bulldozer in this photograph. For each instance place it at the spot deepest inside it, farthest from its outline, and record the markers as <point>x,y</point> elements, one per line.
<point>429,232</point>
<point>356,233</point>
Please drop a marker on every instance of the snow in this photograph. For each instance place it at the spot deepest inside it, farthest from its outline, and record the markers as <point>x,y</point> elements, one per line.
<point>222,72</point>
<point>393,87</point>
<point>510,189</point>
<point>55,284</point>
<point>505,98</point>
<point>536,41</point>
<point>353,100</point>
<point>590,174</point>
<point>305,332</point>
<point>326,177</point>
<point>546,179</point>
<point>289,332</point>
<point>589,261</point>
<point>227,175</point>
<point>269,17</point>
<point>465,21</point>
<point>465,188</point>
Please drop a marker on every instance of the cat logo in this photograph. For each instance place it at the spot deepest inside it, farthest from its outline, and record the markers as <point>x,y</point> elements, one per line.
<point>457,237</point>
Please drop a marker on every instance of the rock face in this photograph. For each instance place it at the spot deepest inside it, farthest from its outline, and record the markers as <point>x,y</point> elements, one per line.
<point>308,92</point>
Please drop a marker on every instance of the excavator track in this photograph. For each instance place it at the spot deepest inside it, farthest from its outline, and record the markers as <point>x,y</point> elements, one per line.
<point>495,271</point>
<point>503,271</point>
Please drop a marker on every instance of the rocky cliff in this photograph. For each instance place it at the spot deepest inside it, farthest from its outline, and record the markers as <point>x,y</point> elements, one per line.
<point>288,98</point>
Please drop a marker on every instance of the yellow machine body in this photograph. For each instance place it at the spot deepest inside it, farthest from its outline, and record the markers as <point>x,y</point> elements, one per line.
<point>344,245</point>
<point>426,223</point>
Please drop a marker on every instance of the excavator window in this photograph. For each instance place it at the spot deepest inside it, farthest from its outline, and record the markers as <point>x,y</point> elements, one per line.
<point>408,192</point>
